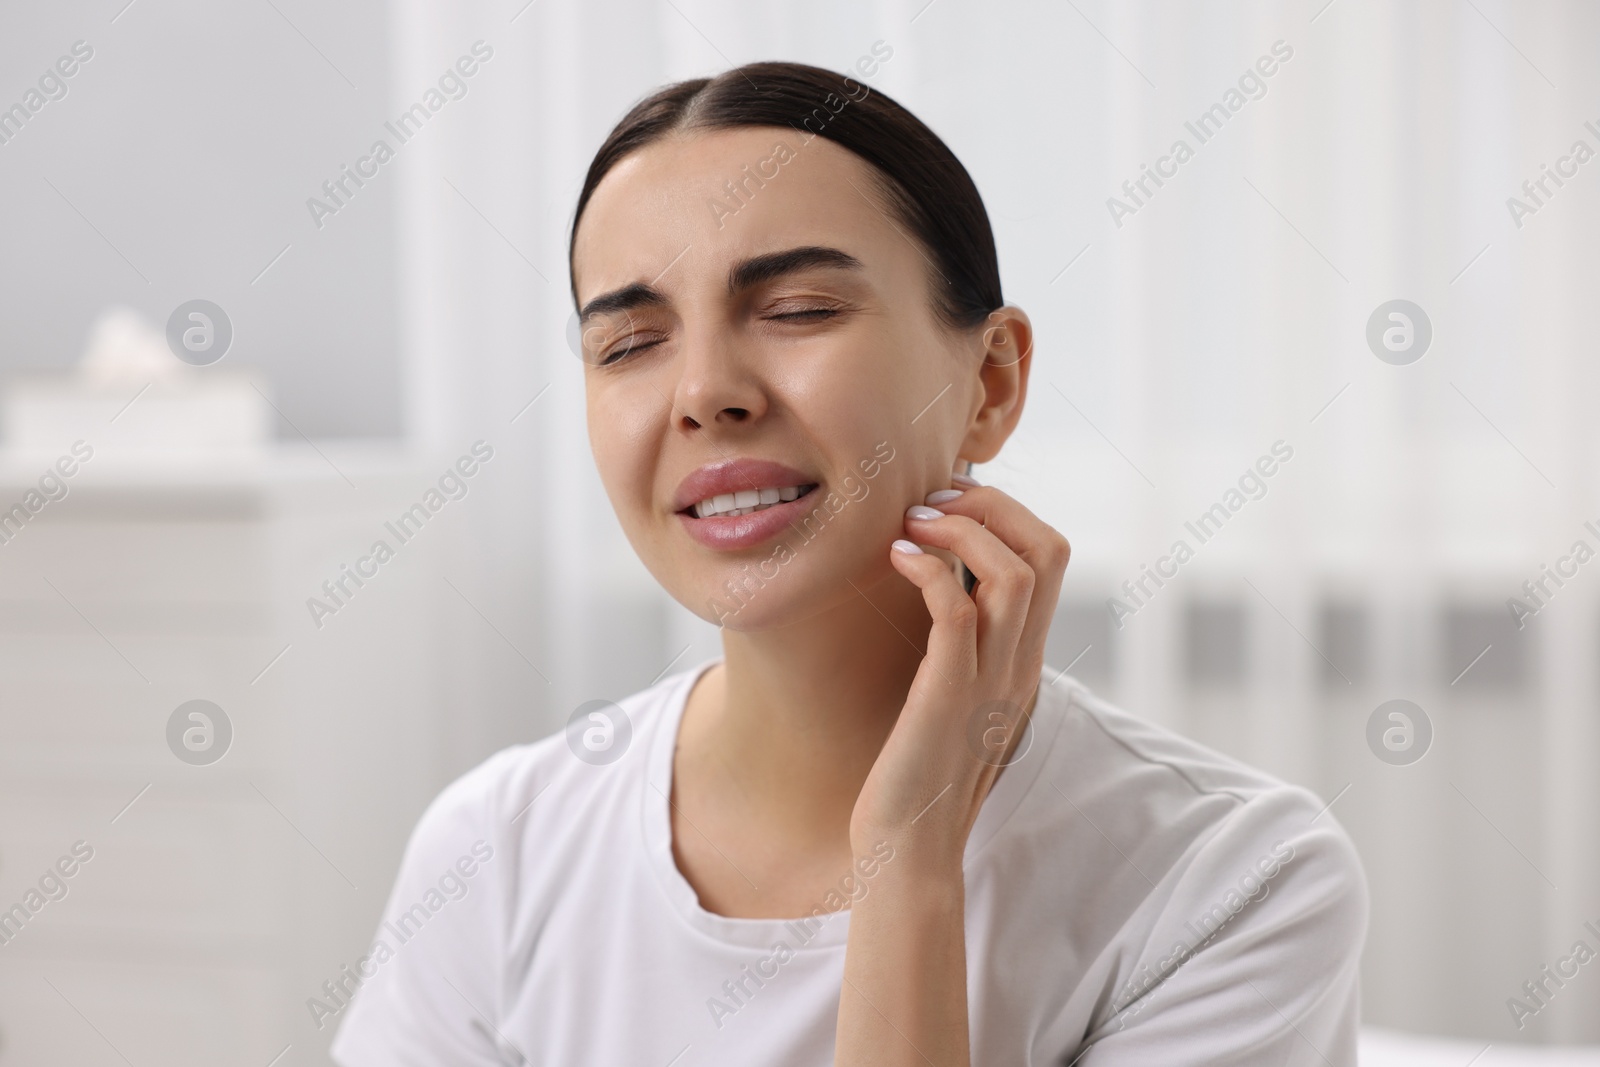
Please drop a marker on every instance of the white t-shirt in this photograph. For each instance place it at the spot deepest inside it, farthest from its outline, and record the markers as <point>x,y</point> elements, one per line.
<point>1128,892</point>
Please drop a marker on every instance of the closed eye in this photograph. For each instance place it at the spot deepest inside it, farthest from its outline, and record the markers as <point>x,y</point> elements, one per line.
<point>626,349</point>
<point>806,315</point>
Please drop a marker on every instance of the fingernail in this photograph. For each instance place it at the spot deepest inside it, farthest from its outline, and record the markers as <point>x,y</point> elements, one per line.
<point>917,511</point>
<point>907,547</point>
<point>943,496</point>
<point>964,479</point>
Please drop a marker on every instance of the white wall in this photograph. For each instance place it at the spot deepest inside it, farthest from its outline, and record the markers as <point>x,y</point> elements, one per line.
<point>178,166</point>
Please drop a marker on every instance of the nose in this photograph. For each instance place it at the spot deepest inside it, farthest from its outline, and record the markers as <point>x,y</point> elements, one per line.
<point>717,385</point>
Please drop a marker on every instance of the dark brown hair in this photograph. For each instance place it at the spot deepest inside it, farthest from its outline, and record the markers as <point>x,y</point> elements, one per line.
<point>927,188</point>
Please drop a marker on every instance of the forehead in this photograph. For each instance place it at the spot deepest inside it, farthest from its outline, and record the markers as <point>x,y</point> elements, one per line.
<point>702,201</point>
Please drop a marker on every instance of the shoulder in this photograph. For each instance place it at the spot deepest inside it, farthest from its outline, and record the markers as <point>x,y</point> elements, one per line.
<point>1190,787</point>
<point>593,760</point>
<point>1125,746</point>
<point>482,866</point>
<point>1211,901</point>
<point>1196,826</point>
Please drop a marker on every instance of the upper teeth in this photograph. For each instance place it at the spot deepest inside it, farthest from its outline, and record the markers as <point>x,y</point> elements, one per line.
<point>744,501</point>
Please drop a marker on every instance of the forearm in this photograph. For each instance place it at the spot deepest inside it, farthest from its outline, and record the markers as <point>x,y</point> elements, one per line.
<point>904,997</point>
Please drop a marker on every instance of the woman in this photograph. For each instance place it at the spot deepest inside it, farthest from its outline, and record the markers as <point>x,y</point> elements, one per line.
<point>879,829</point>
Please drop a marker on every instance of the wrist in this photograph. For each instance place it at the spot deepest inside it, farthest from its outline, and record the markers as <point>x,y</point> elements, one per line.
<point>926,851</point>
<point>918,907</point>
<point>898,870</point>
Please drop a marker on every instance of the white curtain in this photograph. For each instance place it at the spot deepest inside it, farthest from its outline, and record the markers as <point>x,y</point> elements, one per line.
<point>1227,312</point>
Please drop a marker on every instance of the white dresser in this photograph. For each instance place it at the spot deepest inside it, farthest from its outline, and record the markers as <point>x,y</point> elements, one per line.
<point>222,897</point>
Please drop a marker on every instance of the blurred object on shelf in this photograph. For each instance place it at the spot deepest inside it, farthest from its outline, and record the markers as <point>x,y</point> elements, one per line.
<point>130,390</point>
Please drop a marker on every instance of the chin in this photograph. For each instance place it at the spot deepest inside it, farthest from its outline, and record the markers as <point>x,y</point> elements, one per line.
<point>741,598</point>
<point>750,598</point>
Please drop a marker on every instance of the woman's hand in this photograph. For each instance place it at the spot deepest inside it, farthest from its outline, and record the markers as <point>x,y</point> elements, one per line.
<point>979,677</point>
<point>904,997</point>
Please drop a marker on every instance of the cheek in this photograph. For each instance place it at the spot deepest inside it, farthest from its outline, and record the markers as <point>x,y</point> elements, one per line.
<point>619,438</point>
<point>865,390</point>
<point>890,399</point>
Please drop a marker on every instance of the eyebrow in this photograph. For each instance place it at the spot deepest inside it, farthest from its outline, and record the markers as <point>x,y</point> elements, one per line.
<point>627,298</point>
<point>765,268</point>
<point>743,275</point>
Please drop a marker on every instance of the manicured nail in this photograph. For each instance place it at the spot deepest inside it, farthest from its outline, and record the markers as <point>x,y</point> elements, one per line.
<point>917,511</point>
<point>964,479</point>
<point>943,496</point>
<point>907,547</point>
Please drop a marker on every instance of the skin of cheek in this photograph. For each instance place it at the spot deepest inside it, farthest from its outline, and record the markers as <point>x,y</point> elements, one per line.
<point>626,426</point>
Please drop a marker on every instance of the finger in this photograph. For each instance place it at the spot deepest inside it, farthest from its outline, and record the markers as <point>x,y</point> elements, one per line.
<point>962,481</point>
<point>1005,582</point>
<point>953,639</point>
<point>1034,541</point>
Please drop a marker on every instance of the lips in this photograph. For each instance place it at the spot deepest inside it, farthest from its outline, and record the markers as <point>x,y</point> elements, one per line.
<point>742,476</point>
<point>734,476</point>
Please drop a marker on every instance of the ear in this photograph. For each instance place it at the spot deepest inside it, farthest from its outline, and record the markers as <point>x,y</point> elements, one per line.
<point>1007,344</point>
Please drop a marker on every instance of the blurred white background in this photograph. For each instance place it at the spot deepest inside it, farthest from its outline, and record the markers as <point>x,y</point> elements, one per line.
<point>1177,343</point>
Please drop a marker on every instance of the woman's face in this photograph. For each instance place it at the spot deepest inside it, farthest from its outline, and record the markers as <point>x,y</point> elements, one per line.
<point>774,341</point>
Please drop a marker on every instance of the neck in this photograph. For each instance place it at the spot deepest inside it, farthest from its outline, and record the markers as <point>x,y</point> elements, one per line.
<point>798,715</point>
